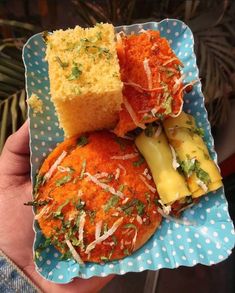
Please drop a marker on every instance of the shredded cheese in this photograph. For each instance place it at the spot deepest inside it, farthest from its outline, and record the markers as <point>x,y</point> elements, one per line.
<point>43,211</point>
<point>116,214</point>
<point>104,185</point>
<point>138,86</point>
<point>125,200</point>
<point>179,112</point>
<point>151,188</point>
<point>148,72</point>
<point>123,168</point>
<point>125,157</point>
<point>74,253</point>
<point>117,175</point>
<point>98,229</point>
<point>132,114</point>
<point>121,244</point>
<point>179,221</point>
<point>81,229</point>
<point>134,238</point>
<point>101,175</point>
<point>169,61</point>
<point>63,169</point>
<point>158,131</point>
<point>145,171</point>
<point>109,243</point>
<point>166,208</point>
<point>177,81</point>
<point>146,174</point>
<point>54,166</point>
<point>175,164</point>
<point>202,185</point>
<point>139,219</point>
<point>110,232</point>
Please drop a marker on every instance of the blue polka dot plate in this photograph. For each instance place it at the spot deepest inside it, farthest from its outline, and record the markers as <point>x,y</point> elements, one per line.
<point>208,242</point>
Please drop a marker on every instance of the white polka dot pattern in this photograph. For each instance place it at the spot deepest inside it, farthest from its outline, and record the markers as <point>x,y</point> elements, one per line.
<point>211,236</point>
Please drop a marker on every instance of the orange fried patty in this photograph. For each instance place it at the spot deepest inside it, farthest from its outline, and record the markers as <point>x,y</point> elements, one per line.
<point>153,86</point>
<point>96,198</point>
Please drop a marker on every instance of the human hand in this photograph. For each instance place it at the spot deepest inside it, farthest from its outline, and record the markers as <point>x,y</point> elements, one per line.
<point>16,232</point>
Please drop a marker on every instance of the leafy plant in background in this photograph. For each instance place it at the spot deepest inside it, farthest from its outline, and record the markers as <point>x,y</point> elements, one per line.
<point>211,21</point>
<point>12,92</point>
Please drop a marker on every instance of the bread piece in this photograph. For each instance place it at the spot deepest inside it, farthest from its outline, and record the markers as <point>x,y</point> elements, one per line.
<point>84,78</point>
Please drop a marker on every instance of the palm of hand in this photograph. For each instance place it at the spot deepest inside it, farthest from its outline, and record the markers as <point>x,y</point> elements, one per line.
<point>16,232</point>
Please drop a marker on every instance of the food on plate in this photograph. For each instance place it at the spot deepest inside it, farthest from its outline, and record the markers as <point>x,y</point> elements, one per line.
<point>199,169</point>
<point>84,74</point>
<point>171,185</point>
<point>95,199</point>
<point>153,86</point>
<point>35,103</point>
<point>179,160</point>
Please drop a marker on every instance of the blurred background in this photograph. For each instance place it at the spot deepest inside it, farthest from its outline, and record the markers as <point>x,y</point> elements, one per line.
<point>213,25</point>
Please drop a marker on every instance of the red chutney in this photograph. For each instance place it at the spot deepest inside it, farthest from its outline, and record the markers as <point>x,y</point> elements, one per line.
<point>71,196</point>
<point>151,76</point>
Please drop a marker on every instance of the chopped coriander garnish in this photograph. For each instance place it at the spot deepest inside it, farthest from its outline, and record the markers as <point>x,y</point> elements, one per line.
<point>139,162</point>
<point>111,252</point>
<point>80,205</point>
<point>83,170</point>
<point>140,207</point>
<point>83,140</point>
<point>75,241</point>
<point>61,63</point>
<point>189,166</point>
<point>201,174</point>
<point>114,239</point>
<point>120,142</point>
<point>111,203</point>
<point>104,51</point>
<point>199,130</point>
<point>58,213</point>
<point>147,195</point>
<point>105,227</point>
<point>130,226</point>
<point>99,36</point>
<point>160,116</point>
<point>66,255</point>
<point>129,206</point>
<point>37,254</point>
<point>155,200</point>
<point>63,180</point>
<point>75,73</point>
<point>92,215</point>
<point>42,246</point>
<point>36,203</point>
<point>126,251</point>
<point>40,180</point>
<point>121,187</point>
<point>167,105</point>
<point>76,90</point>
<point>104,258</point>
<point>189,122</point>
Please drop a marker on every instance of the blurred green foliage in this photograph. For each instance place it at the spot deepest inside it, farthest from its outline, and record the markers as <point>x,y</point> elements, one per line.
<point>211,21</point>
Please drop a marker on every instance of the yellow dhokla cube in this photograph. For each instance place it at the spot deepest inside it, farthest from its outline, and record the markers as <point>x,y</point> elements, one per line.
<point>85,82</point>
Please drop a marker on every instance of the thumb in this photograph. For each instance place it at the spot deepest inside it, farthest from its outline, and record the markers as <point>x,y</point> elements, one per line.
<point>14,159</point>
